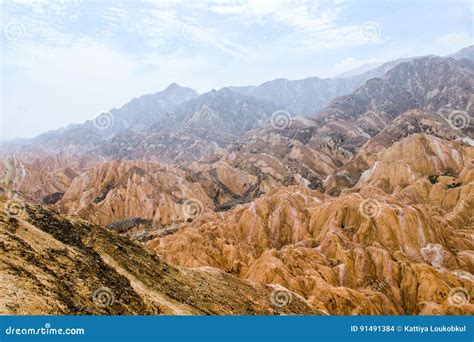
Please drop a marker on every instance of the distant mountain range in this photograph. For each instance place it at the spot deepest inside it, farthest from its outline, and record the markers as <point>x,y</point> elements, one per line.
<point>212,120</point>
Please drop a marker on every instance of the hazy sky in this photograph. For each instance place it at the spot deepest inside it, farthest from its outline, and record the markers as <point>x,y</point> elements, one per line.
<point>65,61</point>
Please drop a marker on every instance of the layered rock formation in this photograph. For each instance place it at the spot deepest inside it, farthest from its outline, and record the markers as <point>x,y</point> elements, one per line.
<point>51,264</point>
<point>118,190</point>
<point>42,178</point>
<point>401,252</point>
<point>363,208</point>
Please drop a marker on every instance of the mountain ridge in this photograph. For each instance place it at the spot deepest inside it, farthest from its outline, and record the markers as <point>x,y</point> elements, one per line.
<point>363,208</point>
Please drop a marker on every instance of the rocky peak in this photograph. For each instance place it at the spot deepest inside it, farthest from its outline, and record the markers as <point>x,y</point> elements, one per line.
<point>467,53</point>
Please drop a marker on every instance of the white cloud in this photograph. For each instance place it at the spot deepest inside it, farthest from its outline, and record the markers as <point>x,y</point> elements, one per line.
<point>307,16</point>
<point>61,85</point>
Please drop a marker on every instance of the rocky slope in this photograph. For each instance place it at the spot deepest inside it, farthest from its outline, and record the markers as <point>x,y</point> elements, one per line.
<point>301,97</point>
<point>409,252</point>
<point>411,122</point>
<point>307,96</point>
<point>467,52</point>
<point>52,264</point>
<point>42,179</point>
<point>335,139</point>
<point>187,134</point>
<point>440,85</point>
<point>335,143</point>
<point>118,190</point>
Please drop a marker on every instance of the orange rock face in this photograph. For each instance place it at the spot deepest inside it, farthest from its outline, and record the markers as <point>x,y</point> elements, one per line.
<point>118,190</point>
<point>36,178</point>
<point>400,242</point>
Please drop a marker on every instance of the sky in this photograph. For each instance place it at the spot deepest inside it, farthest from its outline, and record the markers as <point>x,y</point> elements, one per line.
<point>66,61</point>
